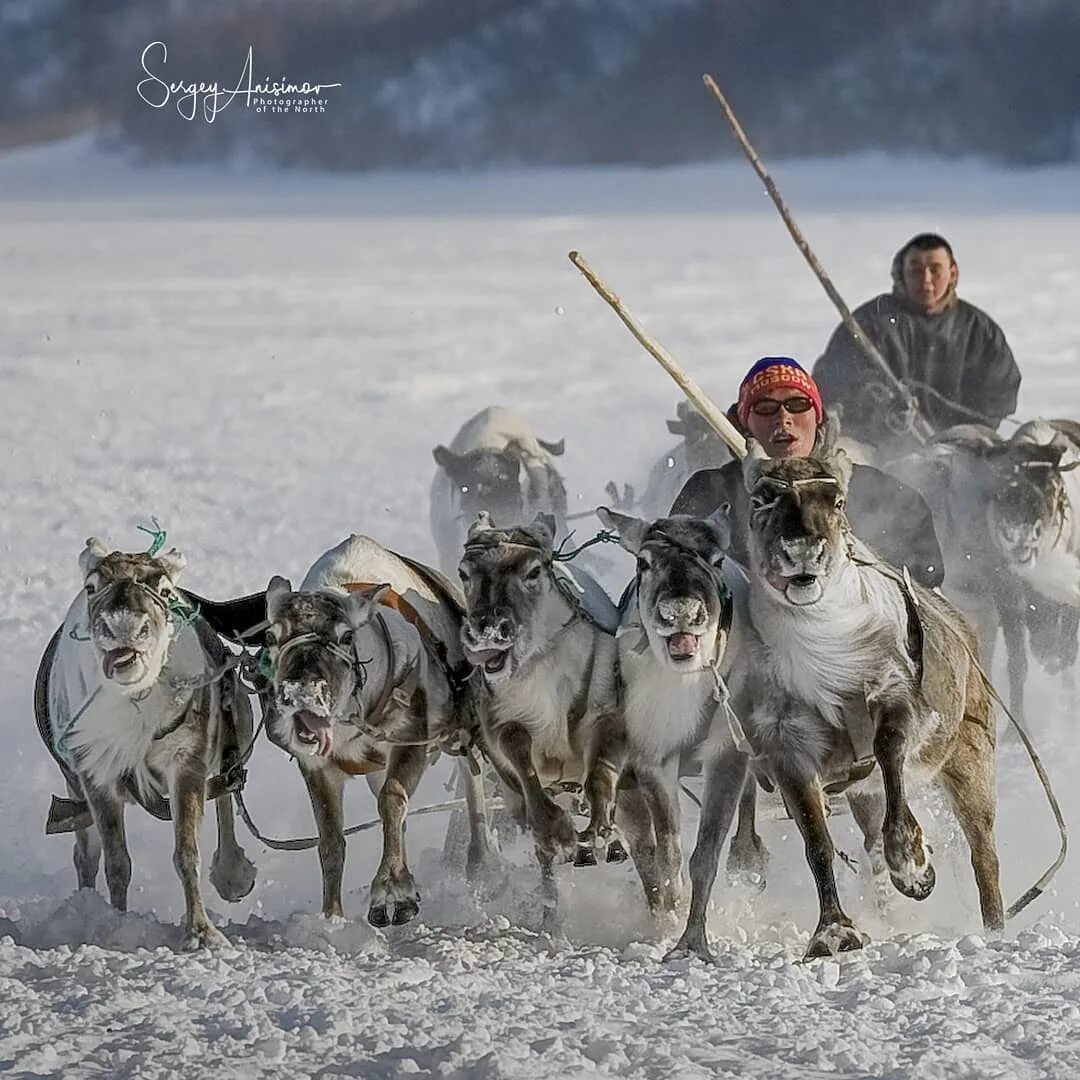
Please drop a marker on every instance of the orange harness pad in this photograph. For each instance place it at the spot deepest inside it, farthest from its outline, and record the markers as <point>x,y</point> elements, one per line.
<point>361,768</point>
<point>398,603</point>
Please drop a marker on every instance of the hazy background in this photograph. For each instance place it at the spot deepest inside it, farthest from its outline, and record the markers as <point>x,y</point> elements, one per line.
<point>474,83</point>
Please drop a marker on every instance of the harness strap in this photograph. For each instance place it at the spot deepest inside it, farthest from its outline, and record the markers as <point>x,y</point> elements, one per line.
<point>306,843</point>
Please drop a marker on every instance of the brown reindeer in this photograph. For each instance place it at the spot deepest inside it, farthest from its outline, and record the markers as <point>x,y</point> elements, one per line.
<point>855,667</point>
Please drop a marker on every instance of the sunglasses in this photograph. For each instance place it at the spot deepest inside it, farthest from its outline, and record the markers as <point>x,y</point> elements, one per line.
<point>770,406</point>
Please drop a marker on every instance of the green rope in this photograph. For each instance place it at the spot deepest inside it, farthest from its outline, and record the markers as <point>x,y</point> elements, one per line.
<point>602,537</point>
<point>157,534</point>
<point>263,664</point>
<point>181,613</point>
<point>61,745</point>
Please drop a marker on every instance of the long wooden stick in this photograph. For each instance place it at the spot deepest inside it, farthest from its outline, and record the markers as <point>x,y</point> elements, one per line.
<point>697,397</point>
<point>921,429</point>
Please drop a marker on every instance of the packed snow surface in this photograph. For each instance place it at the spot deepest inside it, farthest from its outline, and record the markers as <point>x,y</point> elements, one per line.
<point>263,363</point>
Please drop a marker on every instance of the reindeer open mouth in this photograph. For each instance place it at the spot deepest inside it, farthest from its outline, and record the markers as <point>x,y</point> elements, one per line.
<point>118,663</point>
<point>491,661</point>
<point>802,590</point>
<point>314,731</point>
<point>683,647</point>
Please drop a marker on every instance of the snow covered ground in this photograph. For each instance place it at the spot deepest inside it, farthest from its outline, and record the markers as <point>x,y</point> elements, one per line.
<point>264,363</point>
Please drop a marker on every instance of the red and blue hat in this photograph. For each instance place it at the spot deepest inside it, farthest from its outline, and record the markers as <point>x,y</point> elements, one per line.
<point>773,373</point>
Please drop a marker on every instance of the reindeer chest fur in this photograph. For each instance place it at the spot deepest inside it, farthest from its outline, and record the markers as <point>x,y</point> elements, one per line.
<point>665,711</point>
<point>115,735</point>
<point>549,699</point>
<point>833,655</point>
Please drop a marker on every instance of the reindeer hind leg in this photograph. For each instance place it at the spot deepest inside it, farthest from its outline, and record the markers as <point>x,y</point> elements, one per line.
<point>968,780</point>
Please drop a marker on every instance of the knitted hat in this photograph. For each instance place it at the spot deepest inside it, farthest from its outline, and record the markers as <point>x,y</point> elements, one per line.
<point>773,373</point>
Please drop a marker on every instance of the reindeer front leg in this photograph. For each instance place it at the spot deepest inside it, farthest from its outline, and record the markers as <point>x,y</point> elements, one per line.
<point>232,873</point>
<point>806,803</point>
<point>479,855</point>
<point>553,831</point>
<point>659,788</point>
<point>108,811</point>
<point>724,781</point>
<point>87,854</point>
<point>905,852</point>
<point>607,756</point>
<point>325,787</point>
<point>187,797</point>
<point>748,858</point>
<point>394,895</point>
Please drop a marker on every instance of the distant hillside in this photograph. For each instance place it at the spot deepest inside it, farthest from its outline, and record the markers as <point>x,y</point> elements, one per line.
<point>466,83</point>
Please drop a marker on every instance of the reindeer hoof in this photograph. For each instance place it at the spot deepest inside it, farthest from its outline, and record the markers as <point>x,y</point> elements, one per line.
<point>584,856</point>
<point>748,865</point>
<point>750,880</point>
<point>202,936</point>
<point>918,885</point>
<point>377,915</point>
<point>833,938</point>
<point>555,837</point>
<point>232,878</point>
<point>616,853</point>
<point>691,946</point>
<point>405,911</point>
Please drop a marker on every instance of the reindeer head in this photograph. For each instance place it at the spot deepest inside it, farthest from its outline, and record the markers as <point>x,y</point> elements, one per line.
<point>798,528</point>
<point>317,677</point>
<point>127,598</point>
<point>506,577</point>
<point>1030,500</point>
<point>680,588</point>
<point>502,481</point>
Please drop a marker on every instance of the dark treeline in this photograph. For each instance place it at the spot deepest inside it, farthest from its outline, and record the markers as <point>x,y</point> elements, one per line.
<point>461,83</point>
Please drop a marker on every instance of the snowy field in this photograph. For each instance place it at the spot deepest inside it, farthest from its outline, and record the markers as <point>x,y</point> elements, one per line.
<point>264,364</point>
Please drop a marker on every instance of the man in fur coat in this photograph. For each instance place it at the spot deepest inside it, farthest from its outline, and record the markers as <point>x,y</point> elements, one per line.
<point>947,353</point>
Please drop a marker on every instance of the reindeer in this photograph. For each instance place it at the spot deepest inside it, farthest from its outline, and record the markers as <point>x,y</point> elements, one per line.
<point>955,475</point>
<point>964,473</point>
<point>1034,513</point>
<point>542,642</point>
<point>1034,523</point>
<point>365,659</point>
<point>852,667</point>
<point>137,704</point>
<point>679,636</point>
<point>494,463</point>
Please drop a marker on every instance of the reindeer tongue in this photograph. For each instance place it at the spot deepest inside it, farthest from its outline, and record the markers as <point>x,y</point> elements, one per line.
<point>682,645</point>
<point>115,658</point>
<point>480,657</point>
<point>316,730</point>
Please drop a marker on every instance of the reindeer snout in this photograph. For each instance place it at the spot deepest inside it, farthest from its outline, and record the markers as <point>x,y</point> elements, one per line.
<point>805,555</point>
<point>684,611</point>
<point>126,627</point>
<point>305,695</point>
<point>495,629</point>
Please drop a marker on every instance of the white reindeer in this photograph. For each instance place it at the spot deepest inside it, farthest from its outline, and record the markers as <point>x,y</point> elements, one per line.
<point>128,701</point>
